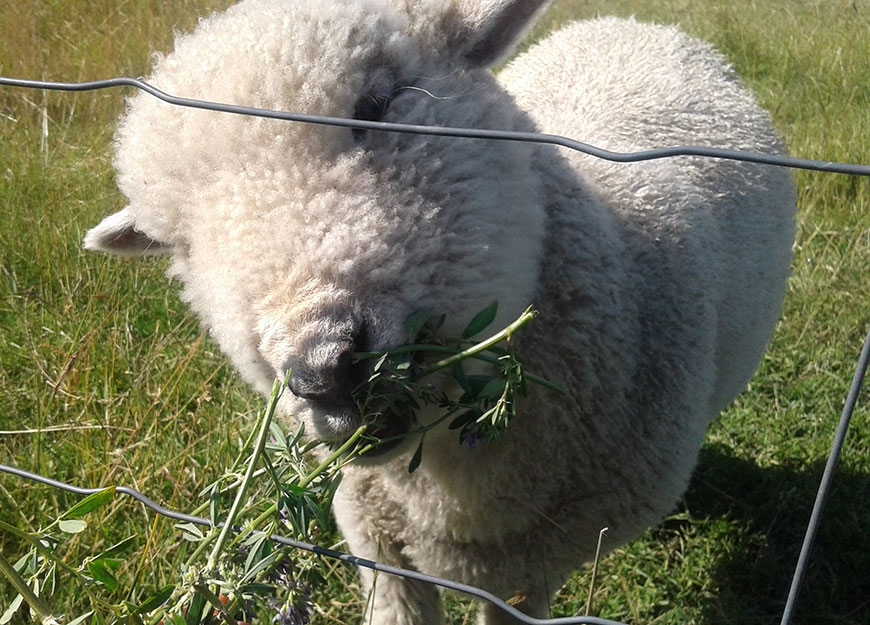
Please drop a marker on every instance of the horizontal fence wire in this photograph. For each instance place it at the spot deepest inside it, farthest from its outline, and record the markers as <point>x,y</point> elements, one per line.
<point>321,551</point>
<point>496,135</point>
<point>447,131</point>
<point>472,591</point>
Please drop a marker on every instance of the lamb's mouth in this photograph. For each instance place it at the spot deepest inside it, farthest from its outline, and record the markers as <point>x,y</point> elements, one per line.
<point>385,435</point>
<point>385,432</point>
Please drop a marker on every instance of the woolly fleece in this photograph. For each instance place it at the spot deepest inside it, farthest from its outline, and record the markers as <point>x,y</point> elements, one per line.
<point>658,284</point>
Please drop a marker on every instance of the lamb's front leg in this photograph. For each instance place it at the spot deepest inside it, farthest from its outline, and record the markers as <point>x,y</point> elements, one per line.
<point>392,600</point>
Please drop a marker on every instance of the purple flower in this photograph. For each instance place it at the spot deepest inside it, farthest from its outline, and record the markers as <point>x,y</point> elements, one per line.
<point>471,437</point>
<point>294,613</point>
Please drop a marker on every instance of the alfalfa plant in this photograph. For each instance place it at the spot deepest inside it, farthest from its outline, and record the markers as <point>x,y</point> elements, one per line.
<point>235,572</point>
<point>402,379</point>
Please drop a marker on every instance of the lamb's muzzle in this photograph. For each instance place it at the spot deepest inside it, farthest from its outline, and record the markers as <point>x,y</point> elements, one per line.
<point>327,374</point>
<point>328,380</point>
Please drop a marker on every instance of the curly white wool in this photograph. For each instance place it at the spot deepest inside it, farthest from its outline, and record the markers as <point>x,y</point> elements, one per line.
<point>658,284</point>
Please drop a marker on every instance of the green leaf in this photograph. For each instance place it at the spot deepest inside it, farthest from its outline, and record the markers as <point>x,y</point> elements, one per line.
<point>117,548</point>
<point>417,458</point>
<point>493,388</point>
<point>80,619</point>
<point>90,503</point>
<point>155,601</point>
<point>293,490</point>
<point>11,610</point>
<point>22,562</point>
<point>259,548</point>
<point>469,416</point>
<point>190,531</point>
<point>461,378</point>
<point>415,323</point>
<point>403,363</point>
<point>475,383</point>
<point>72,526</point>
<point>259,589</point>
<point>255,567</point>
<point>497,416</point>
<point>436,322</point>
<point>100,570</point>
<point>214,503</point>
<point>480,321</point>
<point>277,432</point>
<point>196,609</point>
<point>295,439</point>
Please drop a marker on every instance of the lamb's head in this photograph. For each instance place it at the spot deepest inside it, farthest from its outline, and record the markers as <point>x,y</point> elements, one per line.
<point>300,244</point>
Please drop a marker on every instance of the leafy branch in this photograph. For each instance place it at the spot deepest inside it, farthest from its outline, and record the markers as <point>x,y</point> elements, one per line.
<point>234,572</point>
<point>400,379</point>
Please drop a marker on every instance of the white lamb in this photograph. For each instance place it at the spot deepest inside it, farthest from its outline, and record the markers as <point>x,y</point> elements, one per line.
<point>658,284</point>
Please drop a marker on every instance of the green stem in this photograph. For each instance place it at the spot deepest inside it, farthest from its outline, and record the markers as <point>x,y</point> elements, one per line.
<point>475,351</point>
<point>338,453</point>
<point>37,544</point>
<point>323,466</point>
<point>483,346</point>
<point>455,357</point>
<point>33,600</point>
<point>262,437</point>
<point>240,458</point>
<point>235,484</point>
<point>405,349</point>
<point>201,546</point>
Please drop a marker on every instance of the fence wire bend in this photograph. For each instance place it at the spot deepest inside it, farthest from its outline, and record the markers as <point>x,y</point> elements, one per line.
<point>447,131</point>
<point>320,551</point>
<point>497,135</point>
<point>794,589</point>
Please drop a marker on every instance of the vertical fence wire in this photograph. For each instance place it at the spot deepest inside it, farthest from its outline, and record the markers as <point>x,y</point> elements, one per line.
<point>827,481</point>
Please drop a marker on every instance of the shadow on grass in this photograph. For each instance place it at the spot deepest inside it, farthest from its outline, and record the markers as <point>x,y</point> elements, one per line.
<point>773,504</point>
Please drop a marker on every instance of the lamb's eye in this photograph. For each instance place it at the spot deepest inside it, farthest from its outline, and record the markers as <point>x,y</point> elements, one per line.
<point>371,107</point>
<point>377,94</point>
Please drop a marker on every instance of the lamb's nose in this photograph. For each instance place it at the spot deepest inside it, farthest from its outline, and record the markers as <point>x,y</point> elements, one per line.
<point>325,373</point>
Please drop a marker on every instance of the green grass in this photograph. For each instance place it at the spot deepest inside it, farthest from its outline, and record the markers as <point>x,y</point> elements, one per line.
<point>103,351</point>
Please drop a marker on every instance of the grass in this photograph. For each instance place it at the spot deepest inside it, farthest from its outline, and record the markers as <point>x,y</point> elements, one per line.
<point>106,379</point>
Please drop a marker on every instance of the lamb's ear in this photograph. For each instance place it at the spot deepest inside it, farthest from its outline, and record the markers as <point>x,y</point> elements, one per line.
<point>493,28</point>
<point>117,234</point>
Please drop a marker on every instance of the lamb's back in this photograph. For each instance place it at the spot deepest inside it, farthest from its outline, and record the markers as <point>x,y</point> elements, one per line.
<point>709,239</point>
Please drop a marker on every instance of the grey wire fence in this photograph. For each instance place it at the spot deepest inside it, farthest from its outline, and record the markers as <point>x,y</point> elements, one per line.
<point>492,135</point>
